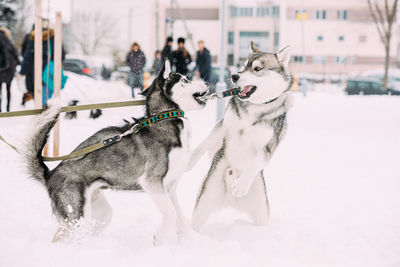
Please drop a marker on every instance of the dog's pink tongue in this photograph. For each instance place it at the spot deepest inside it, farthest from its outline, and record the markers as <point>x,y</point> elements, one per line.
<point>245,90</point>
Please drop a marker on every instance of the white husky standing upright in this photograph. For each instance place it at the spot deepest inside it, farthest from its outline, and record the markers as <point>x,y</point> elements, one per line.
<point>244,140</point>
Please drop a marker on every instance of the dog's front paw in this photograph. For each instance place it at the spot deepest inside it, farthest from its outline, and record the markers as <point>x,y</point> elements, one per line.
<point>240,187</point>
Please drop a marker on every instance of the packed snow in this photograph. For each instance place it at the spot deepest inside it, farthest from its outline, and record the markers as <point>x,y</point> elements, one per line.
<point>333,186</point>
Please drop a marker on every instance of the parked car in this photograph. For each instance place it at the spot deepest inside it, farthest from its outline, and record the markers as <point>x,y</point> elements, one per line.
<point>77,66</point>
<point>364,86</point>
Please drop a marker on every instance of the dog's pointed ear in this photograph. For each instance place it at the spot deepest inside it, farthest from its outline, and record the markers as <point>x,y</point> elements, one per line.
<point>163,74</point>
<point>166,69</point>
<point>283,56</point>
<point>254,48</point>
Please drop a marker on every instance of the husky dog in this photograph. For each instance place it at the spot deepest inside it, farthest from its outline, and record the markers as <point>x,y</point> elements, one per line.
<point>152,159</point>
<point>244,140</point>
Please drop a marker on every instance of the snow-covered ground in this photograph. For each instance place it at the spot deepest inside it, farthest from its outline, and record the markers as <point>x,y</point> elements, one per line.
<point>333,187</point>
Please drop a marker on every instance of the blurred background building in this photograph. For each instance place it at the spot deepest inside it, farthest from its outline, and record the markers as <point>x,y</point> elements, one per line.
<point>339,36</point>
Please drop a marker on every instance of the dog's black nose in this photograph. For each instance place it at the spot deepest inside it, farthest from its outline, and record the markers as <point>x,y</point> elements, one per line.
<point>207,83</point>
<point>235,77</point>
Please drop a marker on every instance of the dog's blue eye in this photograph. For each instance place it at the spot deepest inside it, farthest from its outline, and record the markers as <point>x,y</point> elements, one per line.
<point>257,68</point>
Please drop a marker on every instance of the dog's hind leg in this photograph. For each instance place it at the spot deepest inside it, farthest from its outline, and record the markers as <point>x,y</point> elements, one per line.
<point>211,196</point>
<point>97,207</point>
<point>101,209</point>
<point>158,193</point>
<point>255,203</point>
<point>8,95</point>
<point>68,206</point>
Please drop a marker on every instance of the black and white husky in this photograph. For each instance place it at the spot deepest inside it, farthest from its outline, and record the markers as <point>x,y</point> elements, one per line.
<point>244,140</point>
<point>153,160</point>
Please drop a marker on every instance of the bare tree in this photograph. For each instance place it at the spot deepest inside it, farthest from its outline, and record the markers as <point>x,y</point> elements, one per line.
<point>91,30</point>
<point>23,10</point>
<point>384,17</point>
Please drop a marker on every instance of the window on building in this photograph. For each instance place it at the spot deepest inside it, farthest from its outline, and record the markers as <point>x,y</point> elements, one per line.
<point>262,11</point>
<point>320,38</point>
<point>233,11</point>
<point>246,12</point>
<point>231,36</point>
<point>362,39</point>
<point>298,59</point>
<point>230,59</point>
<point>260,39</point>
<point>297,14</point>
<point>319,59</point>
<point>341,38</point>
<point>321,14</point>
<point>276,41</point>
<point>341,60</point>
<point>275,11</point>
<point>342,14</point>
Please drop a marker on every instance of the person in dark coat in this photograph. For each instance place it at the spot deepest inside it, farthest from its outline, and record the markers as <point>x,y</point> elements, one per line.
<point>167,50</point>
<point>26,40</point>
<point>136,60</point>
<point>157,63</point>
<point>29,82</point>
<point>8,62</point>
<point>203,62</point>
<point>181,58</point>
<point>27,66</point>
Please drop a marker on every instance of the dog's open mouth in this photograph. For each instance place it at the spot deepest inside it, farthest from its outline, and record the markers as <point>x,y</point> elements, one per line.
<point>247,91</point>
<point>198,97</point>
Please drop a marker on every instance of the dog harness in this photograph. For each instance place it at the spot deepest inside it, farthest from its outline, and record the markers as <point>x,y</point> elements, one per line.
<point>116,138</point>
<point>155,118</point>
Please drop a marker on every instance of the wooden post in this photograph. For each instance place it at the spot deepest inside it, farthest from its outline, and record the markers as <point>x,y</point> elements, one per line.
<point>38,58</point>
<point>38,47</point>
<point>57,76</point>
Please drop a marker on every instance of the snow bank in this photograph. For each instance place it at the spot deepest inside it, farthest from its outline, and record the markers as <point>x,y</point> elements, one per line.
<point>333,186</point>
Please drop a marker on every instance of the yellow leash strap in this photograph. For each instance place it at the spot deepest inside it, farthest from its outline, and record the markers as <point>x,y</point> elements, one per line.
<point>75,108</point>
<point>109,141</point>
<point>13,147</point>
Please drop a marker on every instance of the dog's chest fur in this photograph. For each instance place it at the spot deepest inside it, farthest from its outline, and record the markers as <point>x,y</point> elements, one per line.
<point>178,157</point>
<point>245,141</point>
<point>251,130</point>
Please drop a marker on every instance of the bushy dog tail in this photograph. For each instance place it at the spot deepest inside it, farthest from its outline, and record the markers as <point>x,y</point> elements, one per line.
<point>32,151</point>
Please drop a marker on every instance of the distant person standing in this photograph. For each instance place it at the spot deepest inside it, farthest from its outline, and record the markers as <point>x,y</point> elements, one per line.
<point>8,62</point>
<point>136,60</point>
<point>27,65</point>
<point>157,63</point>
<point>181,57</point>
<point>167,50</point>
<point>203,62</point>
<point>27,71</point>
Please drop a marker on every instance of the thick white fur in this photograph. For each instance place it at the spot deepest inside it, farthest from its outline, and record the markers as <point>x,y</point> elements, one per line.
<point>182,94</point>
<point>38,122</point>
<point>96,206</point>
<point>237,180</point>
<point>30,148</point>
